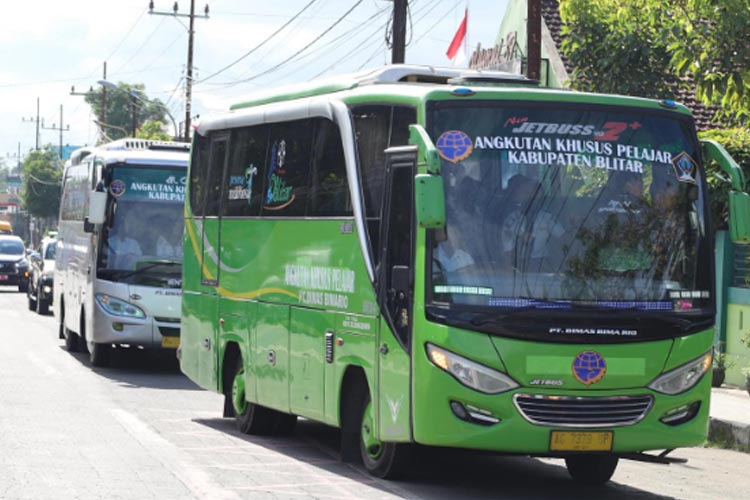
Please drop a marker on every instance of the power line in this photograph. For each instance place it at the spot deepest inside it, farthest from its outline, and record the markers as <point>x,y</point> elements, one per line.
<point>288,59</point>
<point>261,44</point>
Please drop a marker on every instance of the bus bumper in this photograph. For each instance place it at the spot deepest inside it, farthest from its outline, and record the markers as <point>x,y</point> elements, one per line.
<point>498,422</point>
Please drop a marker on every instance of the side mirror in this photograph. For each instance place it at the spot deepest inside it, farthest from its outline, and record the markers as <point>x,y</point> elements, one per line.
<point>430,201</point>
<point>400,278</point>
<point>739,200</point>
<point>97,207</point>
<point>34,256</point>
<point>739,217</point>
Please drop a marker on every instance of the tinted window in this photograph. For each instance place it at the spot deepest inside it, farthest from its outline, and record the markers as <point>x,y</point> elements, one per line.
<point>287,169</point>
<point>198,172</point>
<point>329,192</point>
<point>244,193</point>
<point>215,175</point>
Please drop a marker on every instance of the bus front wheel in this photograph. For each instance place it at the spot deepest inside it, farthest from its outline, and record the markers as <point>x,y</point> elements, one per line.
<point>250,418</point>
<point>591,469</point>
<point>381,459</point>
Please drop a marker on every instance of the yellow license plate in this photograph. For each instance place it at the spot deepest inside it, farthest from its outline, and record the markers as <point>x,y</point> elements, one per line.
<point>170,342</point>
<point>581,441</point>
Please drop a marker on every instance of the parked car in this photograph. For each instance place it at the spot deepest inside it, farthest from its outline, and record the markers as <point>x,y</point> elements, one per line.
<point>41,271</point>
<point>14,268</point>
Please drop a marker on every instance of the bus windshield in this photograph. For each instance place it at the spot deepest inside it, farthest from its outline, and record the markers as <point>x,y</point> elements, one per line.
<point>142,241</point>
<point>564,207</point>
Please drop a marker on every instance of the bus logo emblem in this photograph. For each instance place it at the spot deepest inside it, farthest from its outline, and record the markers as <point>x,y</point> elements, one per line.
<point>589,367</point>
<point>454,146</point>
<point>684,167</point>
<point>117,188</point>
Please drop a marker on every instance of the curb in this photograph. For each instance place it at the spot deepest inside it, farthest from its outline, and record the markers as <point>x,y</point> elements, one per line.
<point>731,434</point>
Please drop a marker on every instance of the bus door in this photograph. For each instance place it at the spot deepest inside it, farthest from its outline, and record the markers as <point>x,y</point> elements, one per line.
<point>395,295</point>
<point>210,260</point>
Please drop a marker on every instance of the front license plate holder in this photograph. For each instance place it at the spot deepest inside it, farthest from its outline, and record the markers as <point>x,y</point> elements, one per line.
<point>170,342</point>
<point>581,440</point>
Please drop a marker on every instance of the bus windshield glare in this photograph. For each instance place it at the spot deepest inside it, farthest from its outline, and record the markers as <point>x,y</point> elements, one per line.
<point>564,207</point>
<point>143,241</point>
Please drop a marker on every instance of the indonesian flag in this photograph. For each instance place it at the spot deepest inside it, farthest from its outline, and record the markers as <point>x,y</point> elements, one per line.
<point>456,52</point>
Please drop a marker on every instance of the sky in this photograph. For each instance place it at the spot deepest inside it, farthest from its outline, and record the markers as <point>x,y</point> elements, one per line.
<point>51,45</point>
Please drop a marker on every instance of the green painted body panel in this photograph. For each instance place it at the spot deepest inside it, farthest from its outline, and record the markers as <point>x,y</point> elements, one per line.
<point>392,413</point>
<point>307,350</point>
<point>270,358</point>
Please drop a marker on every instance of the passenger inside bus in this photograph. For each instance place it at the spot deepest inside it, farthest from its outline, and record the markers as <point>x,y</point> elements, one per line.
<point>123,251</point>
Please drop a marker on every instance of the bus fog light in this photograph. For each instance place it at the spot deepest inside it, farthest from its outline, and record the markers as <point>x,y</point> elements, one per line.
<point>469,373</point>
<point>47,289</point>
<point>118,327</point>
<point>473,414</point>
<point>683,377</point>
<point>681,414</point>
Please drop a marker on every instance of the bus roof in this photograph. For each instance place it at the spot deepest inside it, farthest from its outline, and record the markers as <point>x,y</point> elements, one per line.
<point>407,84</point>
<point>143,152</point>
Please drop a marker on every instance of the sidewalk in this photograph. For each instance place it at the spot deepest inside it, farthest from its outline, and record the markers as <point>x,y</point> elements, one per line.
<point>730,417</point>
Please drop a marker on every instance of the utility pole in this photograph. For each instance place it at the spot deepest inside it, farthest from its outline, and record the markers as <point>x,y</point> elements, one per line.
<point>32,119</point>
<point>398,51</point>
<point>61,129</point>
<point>103,118</point>
<point>189,71</point>
<point>534,40</point>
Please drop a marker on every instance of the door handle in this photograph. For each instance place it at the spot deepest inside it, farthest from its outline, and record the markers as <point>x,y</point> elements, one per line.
<point>384,349</point>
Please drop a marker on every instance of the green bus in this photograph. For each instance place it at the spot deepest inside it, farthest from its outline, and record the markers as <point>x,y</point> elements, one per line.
<point>454,258</point>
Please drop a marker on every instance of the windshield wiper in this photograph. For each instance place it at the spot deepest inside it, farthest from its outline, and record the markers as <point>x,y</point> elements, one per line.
<point>149,267</point>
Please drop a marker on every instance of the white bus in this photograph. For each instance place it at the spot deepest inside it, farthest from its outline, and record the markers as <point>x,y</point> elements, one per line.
<point>118,268</point>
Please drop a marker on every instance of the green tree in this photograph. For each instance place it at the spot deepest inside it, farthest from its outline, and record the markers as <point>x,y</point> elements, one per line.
<point>650,47</point>
<point>42,178</point>
<point>120,102</point>
<point>153,130</point>
<point>615,46</point>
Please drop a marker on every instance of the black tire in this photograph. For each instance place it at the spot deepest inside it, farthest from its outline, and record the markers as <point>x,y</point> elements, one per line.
<point>381,459</point>
<point>71,340</point>
<point>31,301</point>
<point>591,469</point>
<point>42,304</point>
<point>249,418</point>
<point>284,423</point>
<point>99,354</point>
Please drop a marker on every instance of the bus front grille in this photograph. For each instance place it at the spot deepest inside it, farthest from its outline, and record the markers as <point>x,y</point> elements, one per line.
<point>574,411</point>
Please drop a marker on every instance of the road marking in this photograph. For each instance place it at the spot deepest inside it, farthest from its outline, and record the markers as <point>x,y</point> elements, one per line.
<point>179,463</point>
<point>41,365</point>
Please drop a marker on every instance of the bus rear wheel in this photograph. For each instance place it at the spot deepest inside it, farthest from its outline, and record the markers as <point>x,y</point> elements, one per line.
<point>591,469</point>
<point>71,340</point>
<point>249,418</point>
<point>381,459</point>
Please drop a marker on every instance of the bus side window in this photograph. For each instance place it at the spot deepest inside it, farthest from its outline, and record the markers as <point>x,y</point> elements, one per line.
<point>287,171</point>
<point>243,192</point>
<point>378,127</point>
<point>198,173</point>
<point>329,190</point>
<point>215,175</point>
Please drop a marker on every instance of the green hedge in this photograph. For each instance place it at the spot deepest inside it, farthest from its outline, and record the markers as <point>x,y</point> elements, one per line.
<point>737,142</point>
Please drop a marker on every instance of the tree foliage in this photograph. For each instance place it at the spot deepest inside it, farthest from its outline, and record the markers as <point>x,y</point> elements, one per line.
<point>644,47</point>
<point>42,179</point>
<point>119,116</point>
<point>153,130</point>
<point>614,46</point>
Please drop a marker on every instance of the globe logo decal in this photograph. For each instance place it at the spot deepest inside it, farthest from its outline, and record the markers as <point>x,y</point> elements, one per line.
<point>589,367</point>
<point>117,188</point>
<point>454,146</point>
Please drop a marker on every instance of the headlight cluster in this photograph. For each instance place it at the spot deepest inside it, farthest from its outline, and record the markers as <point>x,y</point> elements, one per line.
<point>683,377</point>
<point>119,307</point>
<point>469,373</point>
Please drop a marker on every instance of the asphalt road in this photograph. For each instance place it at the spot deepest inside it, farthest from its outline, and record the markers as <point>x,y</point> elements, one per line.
<point>141,430</point>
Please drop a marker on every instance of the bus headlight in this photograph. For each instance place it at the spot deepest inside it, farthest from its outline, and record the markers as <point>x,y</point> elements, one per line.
<point>683,377</point>
<point>469,373</point>
<point>119,307</point>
